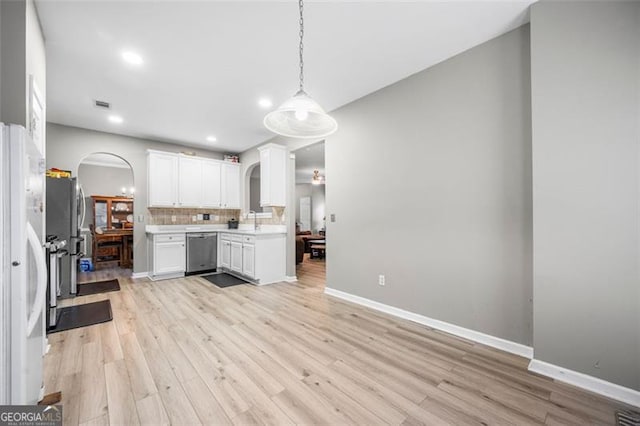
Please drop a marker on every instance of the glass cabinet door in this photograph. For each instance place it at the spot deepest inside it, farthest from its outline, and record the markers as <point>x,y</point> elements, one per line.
<point>100,214</point>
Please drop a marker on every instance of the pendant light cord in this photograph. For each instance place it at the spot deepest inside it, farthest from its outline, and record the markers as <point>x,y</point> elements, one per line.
<point>300,6</point>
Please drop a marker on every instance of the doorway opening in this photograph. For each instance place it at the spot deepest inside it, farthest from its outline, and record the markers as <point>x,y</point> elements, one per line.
<point>108,193</point>
<point>310,213</point>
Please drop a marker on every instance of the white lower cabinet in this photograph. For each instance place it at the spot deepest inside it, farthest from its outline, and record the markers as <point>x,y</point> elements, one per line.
<point>168,255</point>
<point>225,254</point>
<point>259,258</point>
<point>248,260</point>
<point>236,256</point>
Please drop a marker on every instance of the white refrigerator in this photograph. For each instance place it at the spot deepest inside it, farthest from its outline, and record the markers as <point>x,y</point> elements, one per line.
<point>24,270</point>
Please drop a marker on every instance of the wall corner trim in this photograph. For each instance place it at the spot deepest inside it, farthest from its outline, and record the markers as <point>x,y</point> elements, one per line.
<point>291,278</point>
<point>136,275</point>
<point>475,336</point>
<point>584,381</point>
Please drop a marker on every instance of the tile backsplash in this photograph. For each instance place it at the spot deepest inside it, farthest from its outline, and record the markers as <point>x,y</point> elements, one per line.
<point>277,217</point>
<point>162,216</point>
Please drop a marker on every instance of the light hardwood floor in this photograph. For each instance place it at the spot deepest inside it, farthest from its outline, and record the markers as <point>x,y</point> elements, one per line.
<point>101,274</point>
<point>186,352</point>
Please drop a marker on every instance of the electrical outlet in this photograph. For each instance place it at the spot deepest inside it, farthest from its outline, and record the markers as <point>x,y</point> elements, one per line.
<point>333,217</point>
<point>205,216</point>
<point>200,216</point>
<point>381,279</point>
<point>173,218</point>
<point>194,218</point>
<point>140,218</point>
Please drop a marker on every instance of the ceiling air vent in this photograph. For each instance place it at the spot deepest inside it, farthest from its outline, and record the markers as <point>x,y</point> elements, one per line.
<point>102,104</point>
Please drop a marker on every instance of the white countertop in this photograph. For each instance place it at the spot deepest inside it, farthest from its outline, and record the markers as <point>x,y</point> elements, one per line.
<point>246,229</point>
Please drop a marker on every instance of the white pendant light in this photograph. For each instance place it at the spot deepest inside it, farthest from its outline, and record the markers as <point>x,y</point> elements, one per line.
<point>300,116</point>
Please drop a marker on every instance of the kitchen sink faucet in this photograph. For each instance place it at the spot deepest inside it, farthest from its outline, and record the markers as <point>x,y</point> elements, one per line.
<point>255,219</point>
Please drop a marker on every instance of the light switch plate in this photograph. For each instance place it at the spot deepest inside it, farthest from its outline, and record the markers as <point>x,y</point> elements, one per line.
<point>200,217</point>
<point>333,217</point>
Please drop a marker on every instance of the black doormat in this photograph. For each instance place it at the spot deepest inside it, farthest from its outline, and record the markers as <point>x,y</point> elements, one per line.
<point>224,280</point>
<point>83,315</point>
<point>98,287</point>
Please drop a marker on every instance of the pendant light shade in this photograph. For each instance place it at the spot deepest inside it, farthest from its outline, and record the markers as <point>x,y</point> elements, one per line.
<point>300,117</point>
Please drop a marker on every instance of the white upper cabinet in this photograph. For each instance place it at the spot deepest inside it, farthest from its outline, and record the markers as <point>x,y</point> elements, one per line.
<point>176,180</point>
<point>211,185</point>
<point>190,182</point>
<point>162,183</point>
<point>230,184</point>
<point>273,174</point>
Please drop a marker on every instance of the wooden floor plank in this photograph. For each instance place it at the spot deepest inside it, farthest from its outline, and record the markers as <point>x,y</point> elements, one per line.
<point>183,351</point>
<point>122,406</point>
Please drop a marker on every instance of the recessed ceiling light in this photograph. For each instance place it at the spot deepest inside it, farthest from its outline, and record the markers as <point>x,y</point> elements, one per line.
<point>115,119</point>
<point>211,139</point>
<point>132,57</point>
<point>265,103</point>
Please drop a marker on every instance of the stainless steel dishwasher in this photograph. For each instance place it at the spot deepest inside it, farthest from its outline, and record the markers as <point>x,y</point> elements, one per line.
<point>202,252</point>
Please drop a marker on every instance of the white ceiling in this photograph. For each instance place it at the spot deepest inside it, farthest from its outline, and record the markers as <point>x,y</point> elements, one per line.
<point>206,63</point>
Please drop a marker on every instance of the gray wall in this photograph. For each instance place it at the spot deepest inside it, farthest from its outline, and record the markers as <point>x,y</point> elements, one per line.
<point>317,207</point>
<point>254,191</point>
<point>68,146</point>
<point>586,136</point>
<point>431,186</point>
<point>22,54</point>
<point>13,51</point>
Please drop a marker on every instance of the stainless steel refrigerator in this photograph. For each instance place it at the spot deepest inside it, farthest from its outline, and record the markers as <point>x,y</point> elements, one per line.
<point>65,203</point>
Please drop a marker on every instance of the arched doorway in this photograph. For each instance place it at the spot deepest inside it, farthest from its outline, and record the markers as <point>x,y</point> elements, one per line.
<point>107,188</point>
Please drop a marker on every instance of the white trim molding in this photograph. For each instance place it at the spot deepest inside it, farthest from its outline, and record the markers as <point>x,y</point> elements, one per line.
<point>584,381</point>
<point>136,275</point>
<point>291,278</point>
<point>475,336</point>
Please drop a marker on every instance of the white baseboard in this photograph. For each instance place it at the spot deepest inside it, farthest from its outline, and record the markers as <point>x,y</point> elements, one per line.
<point>291,279</point>
<point>476,336</point>
<point>584,381</point>
<point>136,275</point>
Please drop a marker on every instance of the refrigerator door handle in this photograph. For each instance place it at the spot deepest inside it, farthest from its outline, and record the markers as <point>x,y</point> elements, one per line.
<point>84,210</point>
<point>41,277</point>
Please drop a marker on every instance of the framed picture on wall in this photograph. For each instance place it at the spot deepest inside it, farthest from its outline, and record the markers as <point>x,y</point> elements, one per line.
<point>37,119</point>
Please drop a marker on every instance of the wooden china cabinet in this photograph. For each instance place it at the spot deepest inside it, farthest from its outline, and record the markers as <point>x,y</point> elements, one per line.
<point>112,230</point>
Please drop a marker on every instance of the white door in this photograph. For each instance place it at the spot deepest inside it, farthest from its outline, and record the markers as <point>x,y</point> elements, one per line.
<point>211,185</point>
<point>23,325</point>
<point>169,258</point>
<point>231,186</point>
<point>190,182</point>
<point>162,180</point>
<point>225,255</point>
<point>305,213</point>
<point>236,256</point>
<point>248,260</point>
